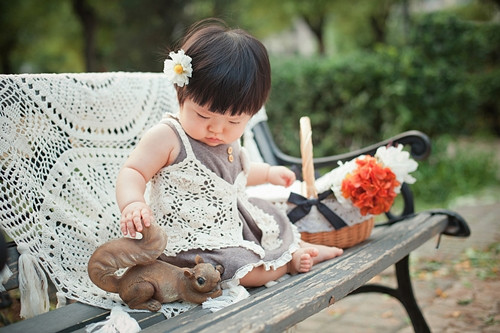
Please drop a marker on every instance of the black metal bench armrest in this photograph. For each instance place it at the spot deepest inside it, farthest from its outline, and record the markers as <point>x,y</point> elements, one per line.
<point>419,143</point>
<point>457,226</point>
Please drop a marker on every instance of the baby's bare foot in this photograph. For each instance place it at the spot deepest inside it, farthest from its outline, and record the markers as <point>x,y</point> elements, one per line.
<point>324,252</point>
<point>302,260</point>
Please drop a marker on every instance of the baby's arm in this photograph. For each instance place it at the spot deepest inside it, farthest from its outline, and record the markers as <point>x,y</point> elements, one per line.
<point>158,148</point>
<point>261,173</point>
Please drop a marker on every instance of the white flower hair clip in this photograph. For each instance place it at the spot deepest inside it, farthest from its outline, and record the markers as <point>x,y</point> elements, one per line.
<point>178,68</point>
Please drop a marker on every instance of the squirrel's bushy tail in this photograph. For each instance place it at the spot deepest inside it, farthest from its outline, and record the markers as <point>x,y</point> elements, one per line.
<point>124,253</point>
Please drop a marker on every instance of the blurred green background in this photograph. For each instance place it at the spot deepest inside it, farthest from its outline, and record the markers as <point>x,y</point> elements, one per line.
<point>362,70</point>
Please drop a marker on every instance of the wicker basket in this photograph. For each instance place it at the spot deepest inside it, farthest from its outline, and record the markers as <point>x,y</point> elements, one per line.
<point>344,237</point>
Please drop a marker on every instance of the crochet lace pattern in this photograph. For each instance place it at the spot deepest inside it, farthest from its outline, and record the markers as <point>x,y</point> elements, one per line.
<point>63,139</point>
<point>191,202</point>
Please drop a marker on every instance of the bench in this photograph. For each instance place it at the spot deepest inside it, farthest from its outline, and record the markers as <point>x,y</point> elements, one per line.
<point>82,108</point>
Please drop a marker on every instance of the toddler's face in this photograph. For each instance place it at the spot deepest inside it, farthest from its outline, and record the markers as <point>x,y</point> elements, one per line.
<point>209,127</point>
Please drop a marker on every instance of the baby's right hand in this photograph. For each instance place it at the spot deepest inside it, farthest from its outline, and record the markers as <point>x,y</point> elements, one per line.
<point>135,216</point>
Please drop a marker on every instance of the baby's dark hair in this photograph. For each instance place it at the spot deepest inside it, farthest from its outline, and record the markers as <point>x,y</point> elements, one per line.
<point>231,70</point>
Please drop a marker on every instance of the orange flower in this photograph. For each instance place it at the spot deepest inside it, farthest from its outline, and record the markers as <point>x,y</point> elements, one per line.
<point>370,187</point>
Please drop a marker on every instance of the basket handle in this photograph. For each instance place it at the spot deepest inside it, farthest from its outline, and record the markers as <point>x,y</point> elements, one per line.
<point>306,151</point>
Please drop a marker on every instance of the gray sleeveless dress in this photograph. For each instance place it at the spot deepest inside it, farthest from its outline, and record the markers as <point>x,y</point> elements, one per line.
<point>237,261</point>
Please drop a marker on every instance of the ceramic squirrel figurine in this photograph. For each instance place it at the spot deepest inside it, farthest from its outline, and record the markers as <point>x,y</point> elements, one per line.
<point>149,282</point>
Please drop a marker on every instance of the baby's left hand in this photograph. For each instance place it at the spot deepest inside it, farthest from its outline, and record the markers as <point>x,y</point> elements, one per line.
<point>280,175</point>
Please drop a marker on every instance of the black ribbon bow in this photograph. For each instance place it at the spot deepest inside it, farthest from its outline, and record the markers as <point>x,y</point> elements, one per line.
<point>304,206</point>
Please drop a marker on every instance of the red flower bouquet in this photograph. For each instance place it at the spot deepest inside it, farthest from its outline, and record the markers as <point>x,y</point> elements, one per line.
<point>370,187</point>
<point>371,183</point>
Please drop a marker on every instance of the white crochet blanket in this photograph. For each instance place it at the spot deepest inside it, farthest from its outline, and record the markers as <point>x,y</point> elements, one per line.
<point>63,138</point>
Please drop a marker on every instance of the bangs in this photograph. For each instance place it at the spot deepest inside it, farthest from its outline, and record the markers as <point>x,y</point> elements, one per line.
<point>235,84</point>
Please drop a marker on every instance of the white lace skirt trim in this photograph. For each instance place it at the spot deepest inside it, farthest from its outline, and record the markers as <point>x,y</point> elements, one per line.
<point>284,259</point>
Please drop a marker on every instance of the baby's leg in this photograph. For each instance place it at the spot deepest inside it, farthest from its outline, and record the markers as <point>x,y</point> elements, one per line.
<point>302,261</point>
<point>258,276</point>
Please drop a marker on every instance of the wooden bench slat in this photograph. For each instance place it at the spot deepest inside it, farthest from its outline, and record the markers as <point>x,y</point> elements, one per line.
<point>303,295</point>
<point>74,317</point>
<point>291,301</point>
<point>71,316</point>
<point>145,319</point>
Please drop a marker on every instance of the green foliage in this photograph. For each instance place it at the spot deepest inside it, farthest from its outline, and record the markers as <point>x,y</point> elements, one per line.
<point>129,35</point>
<point>341,96</point>
<point>134,35</point>
<point>470,52</point>
<point>446,38</point>
<point>453,170</point>
<point>436,85</point>
<point>39,36</point>
<point>361,24</point>
<point>446,83</point>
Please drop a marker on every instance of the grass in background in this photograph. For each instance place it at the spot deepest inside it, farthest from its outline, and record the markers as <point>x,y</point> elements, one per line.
<point>455,169</point>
